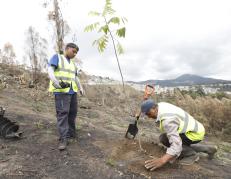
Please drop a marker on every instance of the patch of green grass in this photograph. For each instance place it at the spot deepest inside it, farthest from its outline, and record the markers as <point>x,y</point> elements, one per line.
<point>225,148</point>
<point>37,107</point>
<point>110,162</point>
<point>39,124</point>
<point>79,125</point>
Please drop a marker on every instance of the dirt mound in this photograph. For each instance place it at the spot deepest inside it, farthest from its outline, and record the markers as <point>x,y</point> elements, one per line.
<point>127,154</point>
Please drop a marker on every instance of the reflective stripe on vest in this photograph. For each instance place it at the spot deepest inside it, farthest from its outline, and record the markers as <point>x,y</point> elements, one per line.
<point>65,72</point>
<point>62,67</point>
<point>185,121</point>
<point>193,129</point>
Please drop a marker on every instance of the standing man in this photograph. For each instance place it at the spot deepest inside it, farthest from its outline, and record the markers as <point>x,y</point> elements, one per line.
<point>179,131</point>
<point>65,84</point>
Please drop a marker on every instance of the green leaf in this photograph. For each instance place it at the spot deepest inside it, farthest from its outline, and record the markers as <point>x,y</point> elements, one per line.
<point>121,32</point>
<point>101,43</point>
<point>119,48</point>
<point>108,8</point>
<point>115,20</point>
<point>94,13</point>
<point>91,27</point>
<point>104,28</point>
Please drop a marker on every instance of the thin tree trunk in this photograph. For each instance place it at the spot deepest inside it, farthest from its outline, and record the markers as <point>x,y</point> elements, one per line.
<point>115,51</point>
<point>59,26</point>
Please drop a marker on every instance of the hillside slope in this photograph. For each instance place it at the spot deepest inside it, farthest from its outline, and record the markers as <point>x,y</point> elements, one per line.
<point>186,80</point>
<point>100,151</point>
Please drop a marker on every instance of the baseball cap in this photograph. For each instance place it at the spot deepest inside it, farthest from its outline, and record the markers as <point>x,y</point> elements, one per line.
<point>147,105</point>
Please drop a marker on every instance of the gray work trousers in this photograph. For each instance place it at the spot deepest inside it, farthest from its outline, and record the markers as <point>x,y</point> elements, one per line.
<point>66,112</point>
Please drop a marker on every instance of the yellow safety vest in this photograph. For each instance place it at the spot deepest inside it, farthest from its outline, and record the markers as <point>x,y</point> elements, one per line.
<point>67,73</point>
<point>193,129</point>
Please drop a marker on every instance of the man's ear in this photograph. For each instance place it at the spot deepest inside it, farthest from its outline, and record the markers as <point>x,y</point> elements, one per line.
<point>153,108</point>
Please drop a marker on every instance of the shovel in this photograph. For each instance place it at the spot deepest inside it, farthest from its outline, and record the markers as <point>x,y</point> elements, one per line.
<point>132,129</point>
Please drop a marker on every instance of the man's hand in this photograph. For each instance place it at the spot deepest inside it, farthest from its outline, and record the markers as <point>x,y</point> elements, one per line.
<point>64,84</point>
<point>56,85</point>
<point>82,92</point>
<point>153,164</point>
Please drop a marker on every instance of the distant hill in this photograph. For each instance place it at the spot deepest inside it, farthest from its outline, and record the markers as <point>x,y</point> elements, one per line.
<point>185,80</point>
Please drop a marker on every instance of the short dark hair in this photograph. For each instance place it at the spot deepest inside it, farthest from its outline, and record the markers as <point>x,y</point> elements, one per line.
<point>72,45</point>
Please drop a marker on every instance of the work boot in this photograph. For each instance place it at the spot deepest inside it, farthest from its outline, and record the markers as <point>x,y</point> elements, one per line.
<point>62,145</point>
<point>188,156</point>
<point>209,149</point>
<point>187,151</point>
<point>189,160</point>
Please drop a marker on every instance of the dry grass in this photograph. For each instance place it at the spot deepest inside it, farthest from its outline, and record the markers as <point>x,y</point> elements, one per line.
<point>215,114</point>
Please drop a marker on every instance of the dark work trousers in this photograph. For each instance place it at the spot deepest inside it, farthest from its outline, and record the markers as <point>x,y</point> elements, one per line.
<point>185,140</point>
<point>66,112</point>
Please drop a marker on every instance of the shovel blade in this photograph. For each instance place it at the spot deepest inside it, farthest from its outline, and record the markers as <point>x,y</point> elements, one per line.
<point>132,130</point>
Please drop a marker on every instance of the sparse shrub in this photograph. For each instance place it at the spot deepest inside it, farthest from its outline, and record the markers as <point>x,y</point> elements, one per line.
<point>110,162</point>
<point>227,130</point>
<point>214,113</point>
<point>200,92</point>
<point>220,95</point>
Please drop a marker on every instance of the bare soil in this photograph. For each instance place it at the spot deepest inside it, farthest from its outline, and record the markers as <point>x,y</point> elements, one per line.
<point>100,151</point>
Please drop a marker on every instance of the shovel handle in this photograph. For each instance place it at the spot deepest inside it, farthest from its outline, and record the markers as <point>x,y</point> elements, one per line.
<point>137,118</point>
<point>137,115</point>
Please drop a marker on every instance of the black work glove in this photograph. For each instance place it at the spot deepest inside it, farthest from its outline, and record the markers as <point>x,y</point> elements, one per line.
<point>64,84</point>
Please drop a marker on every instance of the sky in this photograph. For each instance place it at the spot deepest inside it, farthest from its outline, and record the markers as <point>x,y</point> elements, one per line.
<point>164,38</point>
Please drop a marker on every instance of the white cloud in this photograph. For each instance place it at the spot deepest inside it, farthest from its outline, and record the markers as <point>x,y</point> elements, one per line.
<point>164,38</point>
